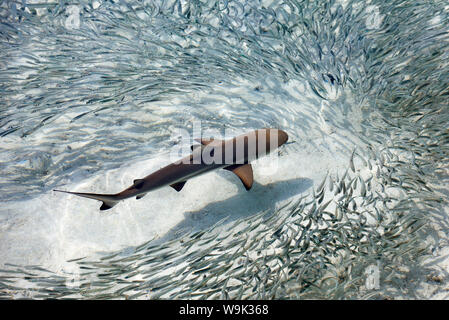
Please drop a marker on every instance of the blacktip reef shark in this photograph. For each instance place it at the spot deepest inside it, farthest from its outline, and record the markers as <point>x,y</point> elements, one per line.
<point>234,155</point>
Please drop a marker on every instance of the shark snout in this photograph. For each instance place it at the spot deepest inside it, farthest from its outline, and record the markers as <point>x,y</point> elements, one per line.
<point>282,137</point>
<point>274,137</point>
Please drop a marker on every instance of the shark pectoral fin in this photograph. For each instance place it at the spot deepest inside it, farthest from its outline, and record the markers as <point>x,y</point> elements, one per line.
<point>138,183</point>
<point>178,186</point>
<point>140,196</point>
<point>244,172</point>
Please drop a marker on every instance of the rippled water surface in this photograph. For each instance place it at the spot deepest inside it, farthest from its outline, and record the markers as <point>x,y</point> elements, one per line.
<point>93,94</point>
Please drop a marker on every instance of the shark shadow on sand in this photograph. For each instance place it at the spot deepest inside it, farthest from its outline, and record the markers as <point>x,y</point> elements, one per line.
<point>242,205</point>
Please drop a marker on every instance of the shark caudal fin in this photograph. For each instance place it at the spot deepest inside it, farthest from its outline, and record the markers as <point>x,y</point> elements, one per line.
<point>109,200</point>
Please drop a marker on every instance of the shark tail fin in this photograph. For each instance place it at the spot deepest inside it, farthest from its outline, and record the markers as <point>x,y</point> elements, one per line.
<point>109,200</point>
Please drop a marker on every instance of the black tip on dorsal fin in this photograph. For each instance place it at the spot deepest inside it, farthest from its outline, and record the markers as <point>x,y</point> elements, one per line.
<point>108,205</point>
<point>104,206</point>
<point>141,196</point>
<point>195,146</point>
<point>178,186</point>
<point>138,183</point>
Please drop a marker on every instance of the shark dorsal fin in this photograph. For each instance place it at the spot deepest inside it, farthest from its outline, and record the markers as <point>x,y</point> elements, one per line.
<point>202,147</point>
<point>244,172</point>
<point>178,185</point>
<point>193,147</point>
<point>138,183</point>
<point>205,142</point>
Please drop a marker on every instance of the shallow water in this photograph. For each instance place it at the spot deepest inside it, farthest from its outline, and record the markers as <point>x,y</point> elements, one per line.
<point>92,97</point>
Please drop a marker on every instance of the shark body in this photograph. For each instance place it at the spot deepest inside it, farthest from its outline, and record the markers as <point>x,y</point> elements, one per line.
<point>234,155</point>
